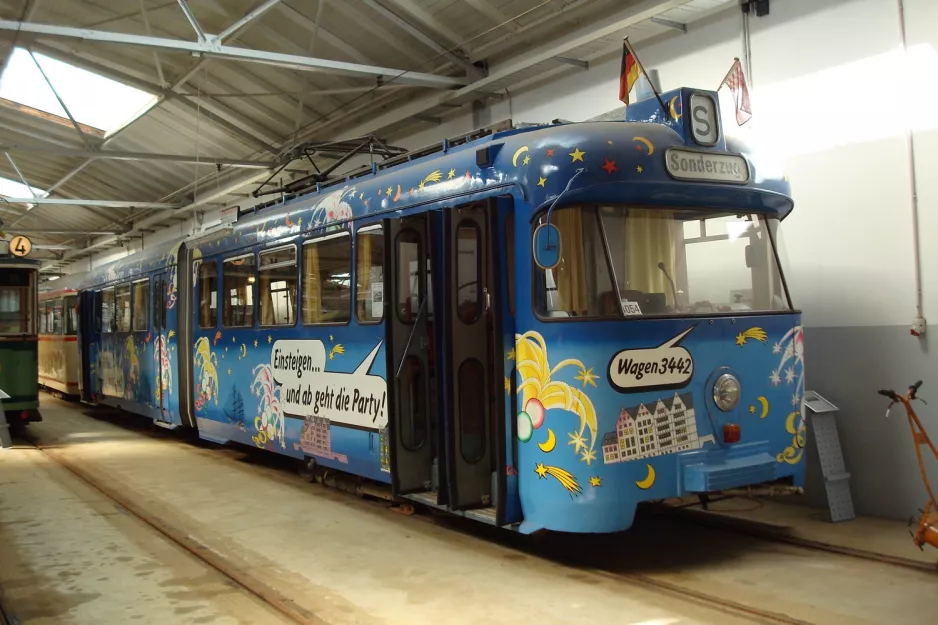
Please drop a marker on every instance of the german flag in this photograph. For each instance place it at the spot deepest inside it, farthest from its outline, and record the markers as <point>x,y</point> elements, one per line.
<point>628,72</point>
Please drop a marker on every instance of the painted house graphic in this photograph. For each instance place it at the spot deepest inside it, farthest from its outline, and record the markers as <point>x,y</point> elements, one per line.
<point>316,439</point>
<point>647,430</point>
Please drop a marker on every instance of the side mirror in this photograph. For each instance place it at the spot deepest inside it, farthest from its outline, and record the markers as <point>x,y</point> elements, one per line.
<point>547,246</point>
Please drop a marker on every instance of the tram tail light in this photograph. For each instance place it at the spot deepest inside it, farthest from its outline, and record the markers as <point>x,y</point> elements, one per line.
<point>24,415</point>
<point>731,433</point>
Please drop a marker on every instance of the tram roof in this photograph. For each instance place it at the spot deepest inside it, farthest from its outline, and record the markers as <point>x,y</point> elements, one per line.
<point>622,162</point>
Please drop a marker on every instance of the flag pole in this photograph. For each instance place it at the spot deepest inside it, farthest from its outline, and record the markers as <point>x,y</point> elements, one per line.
<point>651,84</point>
<point>732,67</point>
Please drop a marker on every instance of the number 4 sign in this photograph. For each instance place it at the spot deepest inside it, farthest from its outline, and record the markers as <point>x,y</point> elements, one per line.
<point>21,246</point>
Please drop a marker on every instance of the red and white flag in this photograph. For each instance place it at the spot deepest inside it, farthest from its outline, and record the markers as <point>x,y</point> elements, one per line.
<point>736,81</point>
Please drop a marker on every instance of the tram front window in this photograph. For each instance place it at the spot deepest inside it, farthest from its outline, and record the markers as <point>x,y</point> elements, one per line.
<point>15,303</point>
<point>639,262</point>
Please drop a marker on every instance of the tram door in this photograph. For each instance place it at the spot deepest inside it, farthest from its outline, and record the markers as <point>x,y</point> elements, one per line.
<point>87,329</point>
<point>160,282</point>
<point>411,379</point>
<point>473,390</point>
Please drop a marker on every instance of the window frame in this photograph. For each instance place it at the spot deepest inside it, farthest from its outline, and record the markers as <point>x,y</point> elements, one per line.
<point>297,306</point>
<point>197,266</point>
<point>133,308</point>
<point>112,324</point>
<point>65,308</point>
<point>302,290</point>
<point>130,307</point>
<point>762,214</point>
<point>226,301</point>
<point>372,227</point>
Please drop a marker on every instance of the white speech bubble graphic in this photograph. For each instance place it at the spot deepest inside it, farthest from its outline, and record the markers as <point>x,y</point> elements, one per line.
<point>357,399</point>
<point>667,366</point>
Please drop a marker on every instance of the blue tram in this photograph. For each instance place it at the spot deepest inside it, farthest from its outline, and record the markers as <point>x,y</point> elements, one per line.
<point>538,328</point>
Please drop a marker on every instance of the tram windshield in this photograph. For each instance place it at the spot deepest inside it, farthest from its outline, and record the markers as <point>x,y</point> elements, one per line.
<point>16,302</point>
<point>620,261</point>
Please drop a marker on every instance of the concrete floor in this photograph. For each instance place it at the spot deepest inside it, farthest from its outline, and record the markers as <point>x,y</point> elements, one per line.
<point>69,555</point>
<point>351,561</point>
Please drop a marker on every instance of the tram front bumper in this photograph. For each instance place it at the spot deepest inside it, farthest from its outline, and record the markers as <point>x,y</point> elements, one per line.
<point>729,467</point>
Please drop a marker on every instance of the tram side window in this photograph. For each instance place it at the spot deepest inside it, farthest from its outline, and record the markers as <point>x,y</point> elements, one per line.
<point>15,302</point>
<point>580,285</point>
<point>277,291</point>
<point>238,278</point>
<point>208,295</point>
<point>369,274</point>
<point>43,310</point>
<point>327,271</point>
<point>122,307</point>
<point>409,255</point>
<point>71,315</point>
<point>108,320</point>
<point>57,317</point>
<point>141,292</point>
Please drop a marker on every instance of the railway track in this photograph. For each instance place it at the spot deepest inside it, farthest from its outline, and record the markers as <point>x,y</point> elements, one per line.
<point>741,526</point>
<point>611,559</point>
<point>235,573</point>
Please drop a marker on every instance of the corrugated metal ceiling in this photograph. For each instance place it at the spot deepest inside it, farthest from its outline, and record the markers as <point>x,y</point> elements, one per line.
<point>214,108</point>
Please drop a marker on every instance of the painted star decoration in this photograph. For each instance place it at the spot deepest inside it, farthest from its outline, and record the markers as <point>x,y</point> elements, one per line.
<point>527,159</point>
<point>577,155</point>
<point>541,470</point>
<point>507,384</point>
<point>752,410</point>
<point>511,354</point>
<point>269,339</point>
<point>790,375</point>
<point>596,481</point>
<point>795,399</point>
<point>588,456</point>
<point>586,376</point>
<point>777,348</point>
<point>775,378</point>
<point>550,152</point>
<point>255,342</point>
<point>609,166</point>
<point>639,169</point>
<point>541,182</point>
<point>577,440</point>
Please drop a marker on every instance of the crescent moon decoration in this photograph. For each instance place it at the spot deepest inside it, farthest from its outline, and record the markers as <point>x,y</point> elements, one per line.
<point>518,152</point>
<point>765,406</point>
<point>648,144</point>
<point>649,480</point>
<point>398,195</point>
<point>244,350</point>
<point>551,442</point>
<point>674,112</point>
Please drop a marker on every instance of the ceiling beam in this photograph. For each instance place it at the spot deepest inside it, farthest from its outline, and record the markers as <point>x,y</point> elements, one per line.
<point>134,156</point>
<point>613,24</point>
<point>220,51</point>
<point>103,203</point>
<point>422,37</point>
<point>438,27</point>
<point>252,15</point>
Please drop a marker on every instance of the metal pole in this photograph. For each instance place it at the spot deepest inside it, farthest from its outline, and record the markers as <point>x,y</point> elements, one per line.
<point>84,138</point>
<point>247,18</point>
<point>913,189</point>
<point>194,22</point>
<point>20,174</point>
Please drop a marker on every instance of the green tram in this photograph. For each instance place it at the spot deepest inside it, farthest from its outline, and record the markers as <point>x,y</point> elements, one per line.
<point>19,339</point>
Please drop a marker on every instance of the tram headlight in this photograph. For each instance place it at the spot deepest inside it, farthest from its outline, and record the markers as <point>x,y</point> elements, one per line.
<point>726,392</point>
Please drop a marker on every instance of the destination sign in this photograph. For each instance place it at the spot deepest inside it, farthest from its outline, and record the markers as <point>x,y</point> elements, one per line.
<point>706,166</point>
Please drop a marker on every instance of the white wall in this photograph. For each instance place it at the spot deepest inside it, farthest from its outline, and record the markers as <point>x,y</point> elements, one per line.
<point>833,96</point>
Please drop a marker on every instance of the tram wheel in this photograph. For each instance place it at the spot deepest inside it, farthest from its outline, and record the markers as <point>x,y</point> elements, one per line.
<point>307,469</point>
